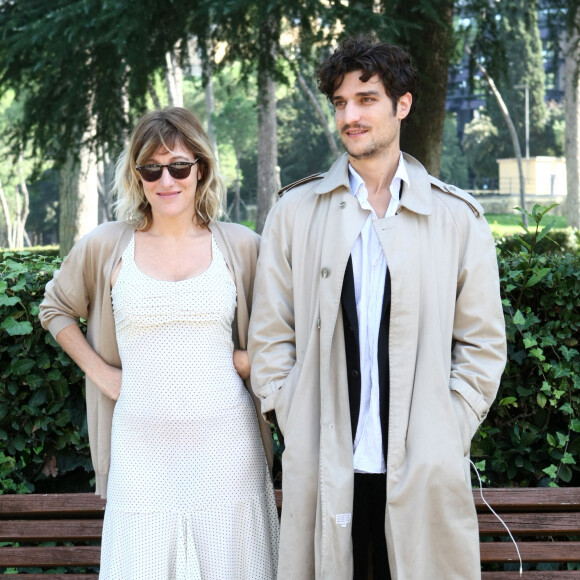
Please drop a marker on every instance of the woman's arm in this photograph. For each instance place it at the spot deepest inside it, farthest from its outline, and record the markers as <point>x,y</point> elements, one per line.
<point>242,363</point>
<point>105,376</point>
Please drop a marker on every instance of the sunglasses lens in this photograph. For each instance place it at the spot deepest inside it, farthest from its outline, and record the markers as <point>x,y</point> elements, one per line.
<point>150,172</point>
<point>179,170</point>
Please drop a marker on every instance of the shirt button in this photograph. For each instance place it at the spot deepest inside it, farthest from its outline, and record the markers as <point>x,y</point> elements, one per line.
<point>325,272</point>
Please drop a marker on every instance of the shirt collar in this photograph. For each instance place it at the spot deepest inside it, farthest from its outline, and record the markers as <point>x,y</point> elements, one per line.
<point>358,187</point>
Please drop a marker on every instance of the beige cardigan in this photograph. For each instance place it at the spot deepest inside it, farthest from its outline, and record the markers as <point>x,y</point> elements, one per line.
<point>82,289</point>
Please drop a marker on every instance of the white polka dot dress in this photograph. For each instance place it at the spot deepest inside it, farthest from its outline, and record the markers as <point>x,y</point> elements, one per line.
<point>189,496</point>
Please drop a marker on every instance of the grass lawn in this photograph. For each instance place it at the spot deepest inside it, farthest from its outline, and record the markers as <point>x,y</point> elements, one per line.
<point>502,224</point>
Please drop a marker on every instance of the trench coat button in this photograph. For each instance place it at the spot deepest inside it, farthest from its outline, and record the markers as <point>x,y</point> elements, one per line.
<point>342,204</point>
<point>451,187</point>
<point>354,373</point>
<point>325,272</point>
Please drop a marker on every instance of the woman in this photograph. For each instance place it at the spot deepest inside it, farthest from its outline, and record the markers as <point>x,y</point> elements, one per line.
<point>166,292</point>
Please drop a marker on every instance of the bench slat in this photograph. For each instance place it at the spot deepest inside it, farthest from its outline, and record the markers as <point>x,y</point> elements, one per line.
<point>530,524</point>
<point>530,499</point>
<point>53,556</point>
<point>533,575</point>
<point>530,551</point>
<point>50,530</point>
<point>61,504</point>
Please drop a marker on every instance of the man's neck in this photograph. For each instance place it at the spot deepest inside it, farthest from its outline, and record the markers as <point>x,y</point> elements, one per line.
<point>378,174</point>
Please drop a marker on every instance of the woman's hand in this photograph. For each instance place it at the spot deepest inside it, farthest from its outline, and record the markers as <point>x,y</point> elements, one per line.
<point>242,363</point>
<point>109,382</point>
<point>106,377</point>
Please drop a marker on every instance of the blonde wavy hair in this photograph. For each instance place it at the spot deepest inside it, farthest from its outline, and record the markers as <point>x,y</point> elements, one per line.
<point>166,128</point>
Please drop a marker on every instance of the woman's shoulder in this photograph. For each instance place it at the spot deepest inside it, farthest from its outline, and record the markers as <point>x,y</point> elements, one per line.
<point>105,241</point>
<point>237,233</point>
<point>110,230</point>
<point>108,234</point>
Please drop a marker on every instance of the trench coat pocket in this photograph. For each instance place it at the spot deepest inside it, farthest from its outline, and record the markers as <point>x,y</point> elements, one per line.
<point>285,396</point>
<point>467,420</point>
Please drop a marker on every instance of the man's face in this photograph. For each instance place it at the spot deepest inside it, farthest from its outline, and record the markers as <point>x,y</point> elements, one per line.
<point>368,125</point>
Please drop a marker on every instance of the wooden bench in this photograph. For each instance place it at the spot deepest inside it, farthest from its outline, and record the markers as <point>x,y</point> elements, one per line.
<point>65,530</point>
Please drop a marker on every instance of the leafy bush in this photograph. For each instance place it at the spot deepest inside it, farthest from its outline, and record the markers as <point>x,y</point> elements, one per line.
<point>532,434</point>
<point>43,431</point>
<point>565,240</point>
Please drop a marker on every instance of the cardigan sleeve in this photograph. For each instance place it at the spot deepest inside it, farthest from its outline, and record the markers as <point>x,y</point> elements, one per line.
<point>66,297</point>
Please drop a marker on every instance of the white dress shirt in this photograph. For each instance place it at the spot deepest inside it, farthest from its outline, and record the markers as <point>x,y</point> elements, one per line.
<point>370,268</point>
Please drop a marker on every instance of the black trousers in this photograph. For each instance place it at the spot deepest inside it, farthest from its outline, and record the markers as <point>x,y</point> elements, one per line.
<point>368,527</point>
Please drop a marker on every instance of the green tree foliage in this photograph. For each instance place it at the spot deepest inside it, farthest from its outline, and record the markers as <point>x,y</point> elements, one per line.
<point>453,162</point>
<point>531,436</point>
<point>506,36</point>
<point>303,148</point>
<point>84,59</point>
<point>480,143</point>
<point>520,35</point>
<point>43,430</point>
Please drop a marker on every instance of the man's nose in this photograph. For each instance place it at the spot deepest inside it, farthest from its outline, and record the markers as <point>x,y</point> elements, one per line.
<point>351,113</point>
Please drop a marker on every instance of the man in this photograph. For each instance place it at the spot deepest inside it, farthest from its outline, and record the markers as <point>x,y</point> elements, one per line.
<point>377,338</point>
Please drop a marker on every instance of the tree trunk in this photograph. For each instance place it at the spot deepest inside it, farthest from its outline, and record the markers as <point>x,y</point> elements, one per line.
<point>512,130</point>
<point>174,77</point>
<point>268,174</point>
<point>207,79</point>
<point>105,181</point>
<point>24,209</point>
<point>302,83</point>
<point>79,198</point>
<point>237,189</point>
<point>7,218</point>
<point>153,94</point>
<point>430,48</point>
<point>572,112</point>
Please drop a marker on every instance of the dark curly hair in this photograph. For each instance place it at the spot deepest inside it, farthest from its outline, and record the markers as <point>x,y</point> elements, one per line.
<point>392,64</point>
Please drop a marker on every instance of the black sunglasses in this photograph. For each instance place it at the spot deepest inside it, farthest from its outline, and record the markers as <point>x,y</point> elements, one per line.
<point>177,170</point>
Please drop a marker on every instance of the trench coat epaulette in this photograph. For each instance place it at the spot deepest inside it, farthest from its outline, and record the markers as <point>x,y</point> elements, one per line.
<point>300,182</point>
<point>475,206</point>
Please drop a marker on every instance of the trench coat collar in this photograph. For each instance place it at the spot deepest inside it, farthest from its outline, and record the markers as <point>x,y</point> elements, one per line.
<point>417,197</point>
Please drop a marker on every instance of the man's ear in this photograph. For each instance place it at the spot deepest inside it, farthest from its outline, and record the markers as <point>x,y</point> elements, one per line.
<point>404,106</point>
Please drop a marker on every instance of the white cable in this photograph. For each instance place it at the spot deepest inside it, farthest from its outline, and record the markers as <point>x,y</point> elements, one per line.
<point>495,514</point>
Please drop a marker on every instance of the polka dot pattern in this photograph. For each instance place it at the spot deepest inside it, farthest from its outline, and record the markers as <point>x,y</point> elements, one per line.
<point>190,496</point>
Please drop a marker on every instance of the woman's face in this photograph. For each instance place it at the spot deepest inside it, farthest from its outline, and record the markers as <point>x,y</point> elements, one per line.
<point>172,198</point>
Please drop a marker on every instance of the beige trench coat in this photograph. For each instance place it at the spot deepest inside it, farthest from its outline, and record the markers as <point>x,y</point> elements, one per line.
<point>82,289</point>
<point>446,355</point>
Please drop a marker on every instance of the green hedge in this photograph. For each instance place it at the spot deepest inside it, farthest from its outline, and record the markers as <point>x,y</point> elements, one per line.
<point>530,438</point>
<point>43,433</point>
<point>565,240</point>
<point>532,434</point>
